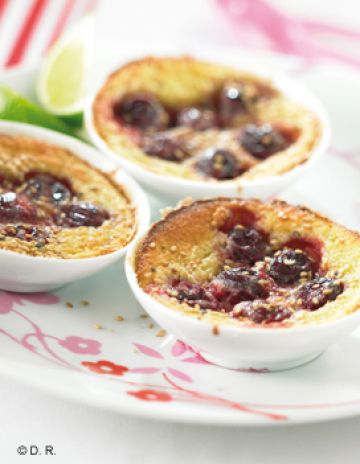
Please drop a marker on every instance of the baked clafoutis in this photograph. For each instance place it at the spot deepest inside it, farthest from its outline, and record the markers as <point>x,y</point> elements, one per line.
<point>55,205</point>
<point>200,121</point>
<point>251,263</point>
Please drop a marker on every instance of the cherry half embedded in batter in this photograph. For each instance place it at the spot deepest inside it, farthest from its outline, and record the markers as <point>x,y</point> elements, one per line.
<point>81,214</point>
<point>141,110</point>
<point>219,164</point>
<point>16,208</point>
<point>312,246</point>
<point>259,312</point>
<point>238,284</point>
<point>163,147</point>
<point>194,295</point>
<point>318,292</point>
<point>45,186</point>
<point>262,141</point>
<point>289,266</point>
<point>246,244</point>
<point>223,292</point>
<point>232,103</point>
<point>196,118</point>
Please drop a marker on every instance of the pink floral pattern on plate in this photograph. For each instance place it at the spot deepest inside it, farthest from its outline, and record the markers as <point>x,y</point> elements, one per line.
<point>164,389</point>
<point>178,349</point>
<point>81,345</point>
<point>36,340</point>
<point>41,344</point>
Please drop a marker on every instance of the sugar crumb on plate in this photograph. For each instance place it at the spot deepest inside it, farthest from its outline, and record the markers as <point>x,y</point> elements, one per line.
<point>161,333</point>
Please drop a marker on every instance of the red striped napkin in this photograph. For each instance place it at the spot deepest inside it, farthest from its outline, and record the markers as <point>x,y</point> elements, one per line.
<point>29,27</point>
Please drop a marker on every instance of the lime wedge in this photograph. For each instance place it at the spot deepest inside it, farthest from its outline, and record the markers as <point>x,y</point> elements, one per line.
<point>14,107</point>
<point>63,81</point>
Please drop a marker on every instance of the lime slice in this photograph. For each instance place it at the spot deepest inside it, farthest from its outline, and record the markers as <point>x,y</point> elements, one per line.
<point>14,107</point>
<point>63,81</point>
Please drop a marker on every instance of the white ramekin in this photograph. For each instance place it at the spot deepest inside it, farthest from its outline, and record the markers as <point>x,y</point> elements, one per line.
<point>176,188</point>
<point>24,273</point>
<point>237,347</point>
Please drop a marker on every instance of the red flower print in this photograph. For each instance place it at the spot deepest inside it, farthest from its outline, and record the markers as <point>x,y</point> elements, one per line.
<point>105,367</point>
<point>151,395</point>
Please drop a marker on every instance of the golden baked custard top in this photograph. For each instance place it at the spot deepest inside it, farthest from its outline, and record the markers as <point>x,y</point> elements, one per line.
<point>202,121</point>
<point>53,204</point>
<point>251,263</point>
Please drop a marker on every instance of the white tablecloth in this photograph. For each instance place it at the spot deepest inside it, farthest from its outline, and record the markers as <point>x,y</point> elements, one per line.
<point>81,434</point>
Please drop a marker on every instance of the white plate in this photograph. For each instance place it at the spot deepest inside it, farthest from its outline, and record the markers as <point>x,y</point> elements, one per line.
<point>47,344</point>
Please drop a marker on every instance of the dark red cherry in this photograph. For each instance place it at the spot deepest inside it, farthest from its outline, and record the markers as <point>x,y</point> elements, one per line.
<point>196,118</point>
<point>189,291</point>
<point>312,246</point>
<point>238,284</point>
<point>318,292</point>
<point>288,266</point>
<point>258,312</point>
<point>195,295</point>
<point>232,103</point>
<point>219,164</point>
<point>141,110</point>
<point>45,186</point>
<point>163,147</point>
<point>16,208</point>
<point>262,141</point>
<point>246,244</point>
<point>82,214</point>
